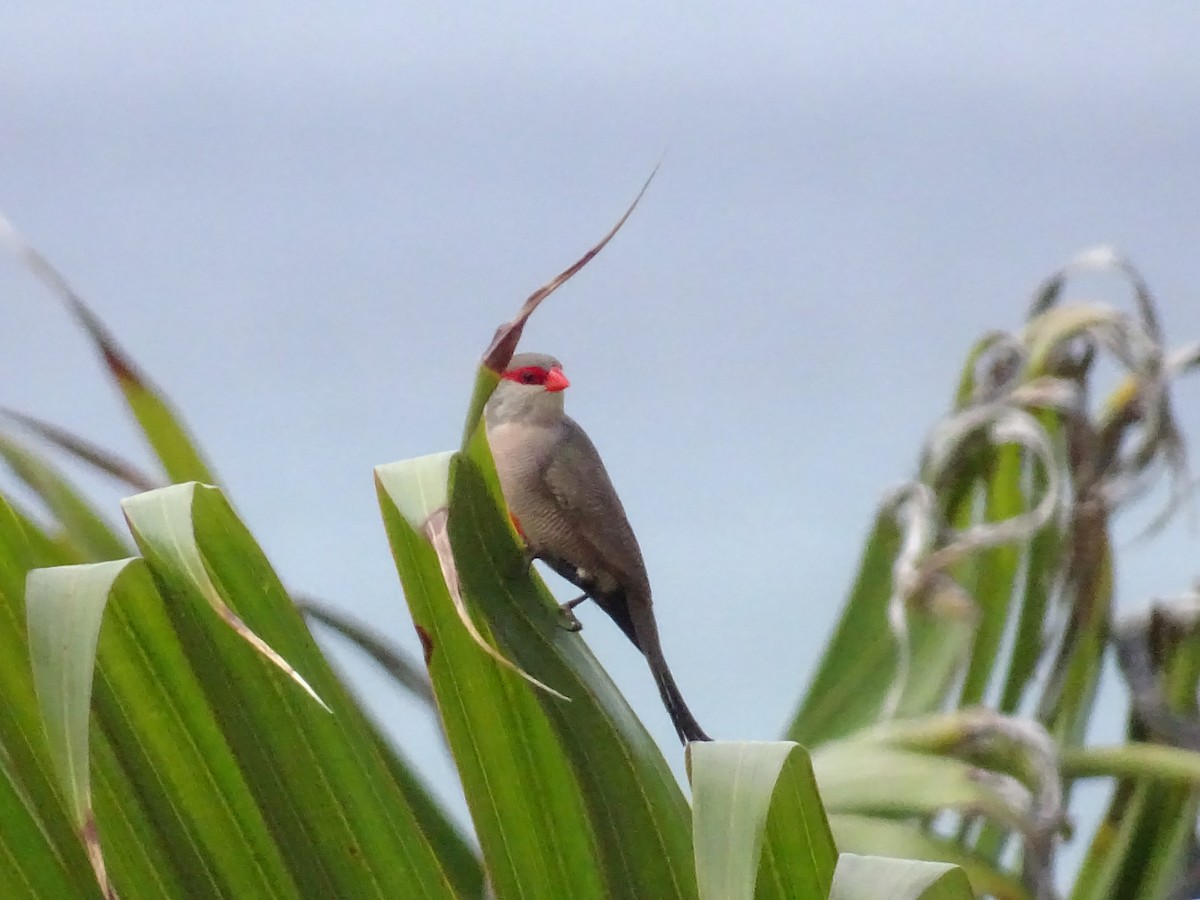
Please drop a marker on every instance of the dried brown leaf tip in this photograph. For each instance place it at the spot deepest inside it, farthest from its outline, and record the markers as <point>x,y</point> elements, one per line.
<point>504,342</point>
<point>426,643</point>
<point>117,361</point>
<point>90,836</point>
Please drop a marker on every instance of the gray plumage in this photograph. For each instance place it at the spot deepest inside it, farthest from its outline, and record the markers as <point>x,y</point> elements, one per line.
<point>559,492</point>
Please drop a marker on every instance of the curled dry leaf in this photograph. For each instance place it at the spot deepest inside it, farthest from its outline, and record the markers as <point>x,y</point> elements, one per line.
<point>929,548</point>
<point>1100,259</point>
<point>1142,401</point>
<point>1018,746</point>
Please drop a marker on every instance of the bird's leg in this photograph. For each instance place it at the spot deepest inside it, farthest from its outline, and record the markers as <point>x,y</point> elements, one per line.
<point>567,613</point>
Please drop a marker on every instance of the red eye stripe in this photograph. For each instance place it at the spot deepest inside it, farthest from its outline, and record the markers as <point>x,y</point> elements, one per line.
<point>527,375</point>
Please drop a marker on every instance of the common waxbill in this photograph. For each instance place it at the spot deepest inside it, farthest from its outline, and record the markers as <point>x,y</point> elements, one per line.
<point>565,506</point>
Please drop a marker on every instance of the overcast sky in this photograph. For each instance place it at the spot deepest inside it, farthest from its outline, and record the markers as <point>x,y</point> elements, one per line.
<point>306,223</point>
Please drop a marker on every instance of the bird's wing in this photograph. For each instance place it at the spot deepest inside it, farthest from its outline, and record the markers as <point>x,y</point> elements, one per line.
<point>576,478</point>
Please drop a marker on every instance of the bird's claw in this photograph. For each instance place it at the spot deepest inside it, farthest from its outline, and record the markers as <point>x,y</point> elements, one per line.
<point>568,620</point>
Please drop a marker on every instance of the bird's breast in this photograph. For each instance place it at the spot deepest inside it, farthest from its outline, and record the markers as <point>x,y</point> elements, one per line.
<point>522,453</point>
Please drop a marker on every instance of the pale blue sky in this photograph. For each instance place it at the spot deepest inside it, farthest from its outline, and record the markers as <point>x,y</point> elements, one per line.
<point>306,223</point>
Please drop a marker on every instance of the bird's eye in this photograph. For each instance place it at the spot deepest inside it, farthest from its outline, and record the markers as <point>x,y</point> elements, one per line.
<point>527,375</point>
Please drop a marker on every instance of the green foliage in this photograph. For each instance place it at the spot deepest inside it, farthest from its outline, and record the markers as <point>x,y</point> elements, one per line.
<point>170,729</point>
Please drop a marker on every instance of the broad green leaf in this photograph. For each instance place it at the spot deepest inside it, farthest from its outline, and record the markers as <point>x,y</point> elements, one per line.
<point>459,860</point>
<point>339,819</point>
<point>759,827</point>
<point>159,786</point>
<point>64,609</point>
<point>876,878</point>
<point>24,753</point>
<point>171,751</point>
<point>164,520</point>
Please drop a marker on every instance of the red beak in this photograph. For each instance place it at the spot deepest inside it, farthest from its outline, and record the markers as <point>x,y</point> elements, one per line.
<point>556,380</point>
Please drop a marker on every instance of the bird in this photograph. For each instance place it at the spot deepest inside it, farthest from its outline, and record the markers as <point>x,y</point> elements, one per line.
<point>564,505</point>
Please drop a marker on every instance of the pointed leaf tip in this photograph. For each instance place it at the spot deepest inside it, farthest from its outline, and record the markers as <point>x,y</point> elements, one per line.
<point>64,608</point>
<point>162,522</point>
<point>507,336</point>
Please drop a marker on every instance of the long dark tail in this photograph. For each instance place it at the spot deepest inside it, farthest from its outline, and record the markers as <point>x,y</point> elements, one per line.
<point>685,723</point>
<point>639,626</point>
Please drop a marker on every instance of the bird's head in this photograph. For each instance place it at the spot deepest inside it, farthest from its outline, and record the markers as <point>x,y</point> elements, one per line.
<point>531,389</point>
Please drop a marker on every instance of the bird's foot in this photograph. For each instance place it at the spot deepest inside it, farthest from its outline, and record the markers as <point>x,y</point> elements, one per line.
<point>567,618</point>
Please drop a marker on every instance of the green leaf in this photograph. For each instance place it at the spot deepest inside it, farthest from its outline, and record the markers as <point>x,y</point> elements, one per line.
<point>991,572</point>
<point>758,820</point>
<point>1151,821</point>
<point>338,817</point>
<point>1042,565</point>
<point>876,878</point>
<point>163,429</point>
<point>30,866</point>
<point>164,521</point>
<point>856,669</point>
<point>1072,693</point>
<point>64,608</point>
<point>867,777</point>
<point>502,744</point>
<point>1153,762</point>
<point>35,801</point>
<point>907,839</point>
